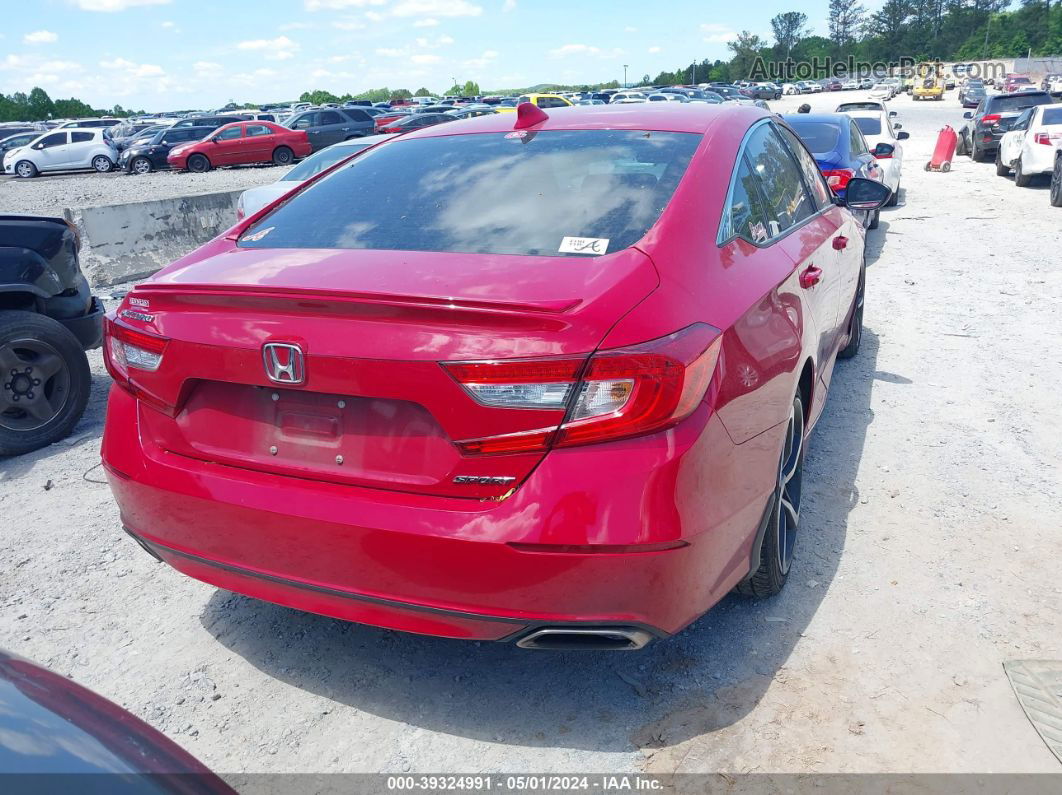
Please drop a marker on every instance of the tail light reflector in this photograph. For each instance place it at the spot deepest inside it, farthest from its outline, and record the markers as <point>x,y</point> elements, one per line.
<point>1047,138</point>
<point>616,394</point>
<point>991,119</point>
<point>837,178</point>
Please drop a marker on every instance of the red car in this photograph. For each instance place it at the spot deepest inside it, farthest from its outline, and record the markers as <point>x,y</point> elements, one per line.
<point>242,143</point>
<point>549,381</point>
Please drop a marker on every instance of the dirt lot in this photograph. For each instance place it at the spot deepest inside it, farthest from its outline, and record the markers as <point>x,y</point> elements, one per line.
<point>928,556</point>
<point>49,194</point>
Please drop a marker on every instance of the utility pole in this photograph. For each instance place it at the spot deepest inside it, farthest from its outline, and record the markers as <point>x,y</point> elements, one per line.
<point>624,75</point>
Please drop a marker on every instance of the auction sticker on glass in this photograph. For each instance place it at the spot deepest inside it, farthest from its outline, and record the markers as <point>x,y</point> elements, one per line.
<point>583,245</point>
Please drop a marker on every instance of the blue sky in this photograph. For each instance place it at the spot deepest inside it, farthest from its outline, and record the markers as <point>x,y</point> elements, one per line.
<point>165,54</point>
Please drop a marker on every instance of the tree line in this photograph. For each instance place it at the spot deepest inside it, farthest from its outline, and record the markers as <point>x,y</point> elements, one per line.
<point>38,106</point>
<point>945,30</point>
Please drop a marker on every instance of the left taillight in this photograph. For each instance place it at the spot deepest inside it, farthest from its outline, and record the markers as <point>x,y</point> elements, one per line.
<point>127,351</point>
<point>1049,139</point>
<point>616,394</point>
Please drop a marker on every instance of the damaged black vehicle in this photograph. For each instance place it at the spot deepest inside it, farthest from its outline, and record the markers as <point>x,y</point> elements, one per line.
<point>48,319</point>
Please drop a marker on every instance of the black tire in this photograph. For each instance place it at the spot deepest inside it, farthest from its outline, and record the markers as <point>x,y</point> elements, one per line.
<point>141,165</point>
<point>102,164</point>
<point>44,382</point>
<point>1056,182</point>
<point>1021,179</point>
<point>25,169</point>
<point>776,549</point>
<point>960,145</point>
<point>894,199</point>
<point>199,164</point>
<point>283,156</point>
<point>855,322</point>
<point>977,154</point>
<point>1002,169</point>
<point>875,219</point>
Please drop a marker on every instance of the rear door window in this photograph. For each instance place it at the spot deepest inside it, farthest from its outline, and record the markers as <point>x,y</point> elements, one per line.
<point>257,129</point>
<point>81,137</point>
<point>357,115</point>
<point>489,193</point>
<point>746,216</point>
<point>330,117</point>
<point>821,194</point>
<point>788,202</point>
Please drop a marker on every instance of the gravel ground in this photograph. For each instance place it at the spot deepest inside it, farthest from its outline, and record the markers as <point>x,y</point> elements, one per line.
<point>49,195</point>
<point>928,556</point>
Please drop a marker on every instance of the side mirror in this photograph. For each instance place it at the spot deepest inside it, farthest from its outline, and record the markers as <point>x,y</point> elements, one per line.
<point>968,115</point>
<point>866,194</point>
<point>893,114</point>
<point>903,136</point>
<point>883,150</point>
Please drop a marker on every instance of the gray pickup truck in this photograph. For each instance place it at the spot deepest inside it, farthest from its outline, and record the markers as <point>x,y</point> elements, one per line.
<point>48,319</point>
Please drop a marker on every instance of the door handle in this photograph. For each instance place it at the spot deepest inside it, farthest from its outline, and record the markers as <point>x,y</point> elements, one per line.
<point>810,276</point>
<point>840,242</point>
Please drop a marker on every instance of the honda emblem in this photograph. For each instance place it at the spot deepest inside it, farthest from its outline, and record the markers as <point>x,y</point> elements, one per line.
<point>284,363</point>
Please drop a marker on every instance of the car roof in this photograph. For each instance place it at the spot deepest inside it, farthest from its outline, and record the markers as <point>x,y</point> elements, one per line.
<point>865,114</point>
<point>829,118</point>
<point>660,116</point>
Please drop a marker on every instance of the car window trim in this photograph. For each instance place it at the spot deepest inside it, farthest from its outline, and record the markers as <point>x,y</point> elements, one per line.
<point>733,181</point>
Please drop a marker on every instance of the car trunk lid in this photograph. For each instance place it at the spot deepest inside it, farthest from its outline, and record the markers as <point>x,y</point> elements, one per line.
<point>376,408</point>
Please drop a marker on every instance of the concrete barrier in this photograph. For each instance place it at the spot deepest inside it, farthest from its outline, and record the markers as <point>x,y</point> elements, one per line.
<point>121,242</point>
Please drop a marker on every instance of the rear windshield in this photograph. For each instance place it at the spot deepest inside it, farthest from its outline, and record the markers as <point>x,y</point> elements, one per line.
<point>869,126</point>
<point>1018,101</point>
<point>1052,116</point>
<point>817,136</point>
<point>312,166</point>
<point>496,193</point>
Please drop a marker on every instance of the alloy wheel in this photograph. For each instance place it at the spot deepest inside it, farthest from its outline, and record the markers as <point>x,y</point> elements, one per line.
<point>142,165</point>
<point>24,169</point>
<point>790,478</point>
<point>34,384</point>
<point>101,164</point>
<point>1056,183</point>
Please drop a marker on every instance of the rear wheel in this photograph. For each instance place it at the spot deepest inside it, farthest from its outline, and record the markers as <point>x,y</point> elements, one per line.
<point>977,154</point>
<point>25,169</point>
<point>776,549</point>
<point>198,164</point>
<point>894,199</point>
<point>44,382</point>
<point>1002,169</point>
<point>1021,179</point>
<point>960,146</point>
<point>283,156</point>
<point>102,163</point>
<point>855,323</point>
<point>1056,182</point>
<point>140,165</point>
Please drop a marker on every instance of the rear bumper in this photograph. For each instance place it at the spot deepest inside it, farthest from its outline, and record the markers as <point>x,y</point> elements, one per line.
<point>1038,159</point>
<point>88,328</point>
<point>447,567</point>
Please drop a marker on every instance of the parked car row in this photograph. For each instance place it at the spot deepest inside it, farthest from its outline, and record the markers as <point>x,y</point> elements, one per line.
<point>1023,130</point>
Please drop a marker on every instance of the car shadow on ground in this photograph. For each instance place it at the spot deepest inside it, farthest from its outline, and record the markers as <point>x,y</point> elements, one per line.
<point>703,679</point>
<point>88,430</point>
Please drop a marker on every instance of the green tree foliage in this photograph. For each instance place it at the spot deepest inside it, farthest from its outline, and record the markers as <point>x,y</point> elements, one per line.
<point>38,106</point>
<point>789,28</point>
<point>422,92</point>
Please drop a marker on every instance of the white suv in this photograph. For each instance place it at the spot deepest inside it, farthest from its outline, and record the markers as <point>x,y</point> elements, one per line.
<point>63,150</point>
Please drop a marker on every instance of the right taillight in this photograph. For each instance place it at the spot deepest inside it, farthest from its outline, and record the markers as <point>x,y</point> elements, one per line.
<point>837,178</point>
<point>616,394</point>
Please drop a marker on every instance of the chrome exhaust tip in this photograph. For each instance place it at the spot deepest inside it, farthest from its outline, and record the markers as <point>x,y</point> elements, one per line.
<point>586,639</point>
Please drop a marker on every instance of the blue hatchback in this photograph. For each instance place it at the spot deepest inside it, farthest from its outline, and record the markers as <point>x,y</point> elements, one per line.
<point>840,151</point>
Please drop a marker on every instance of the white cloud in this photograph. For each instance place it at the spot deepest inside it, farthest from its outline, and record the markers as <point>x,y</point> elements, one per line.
<point>133,69</point>
<point>279,49</point>
<point>295,26</point>
<point>654,50</point>
<point>436,8</point>
<point>374,16</point>
<point>584,49</point>
<point>40,37</point>
<point>348,24</point>
<point>630,29</point>
<point>425,58</point>
<point>391,52</point>
<point>207,69</point>
<point>339,5</point>
<point>510,5</point>
<point>427,44</point>
<point>482,61</point>
<point>61,66</point>
<point>427,22</point>
<point>109,6</point>
<point>717,34</point>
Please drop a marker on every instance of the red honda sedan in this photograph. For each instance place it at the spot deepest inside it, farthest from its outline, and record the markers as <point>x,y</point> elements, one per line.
<point>549,381</point>
<point>242,143</point>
